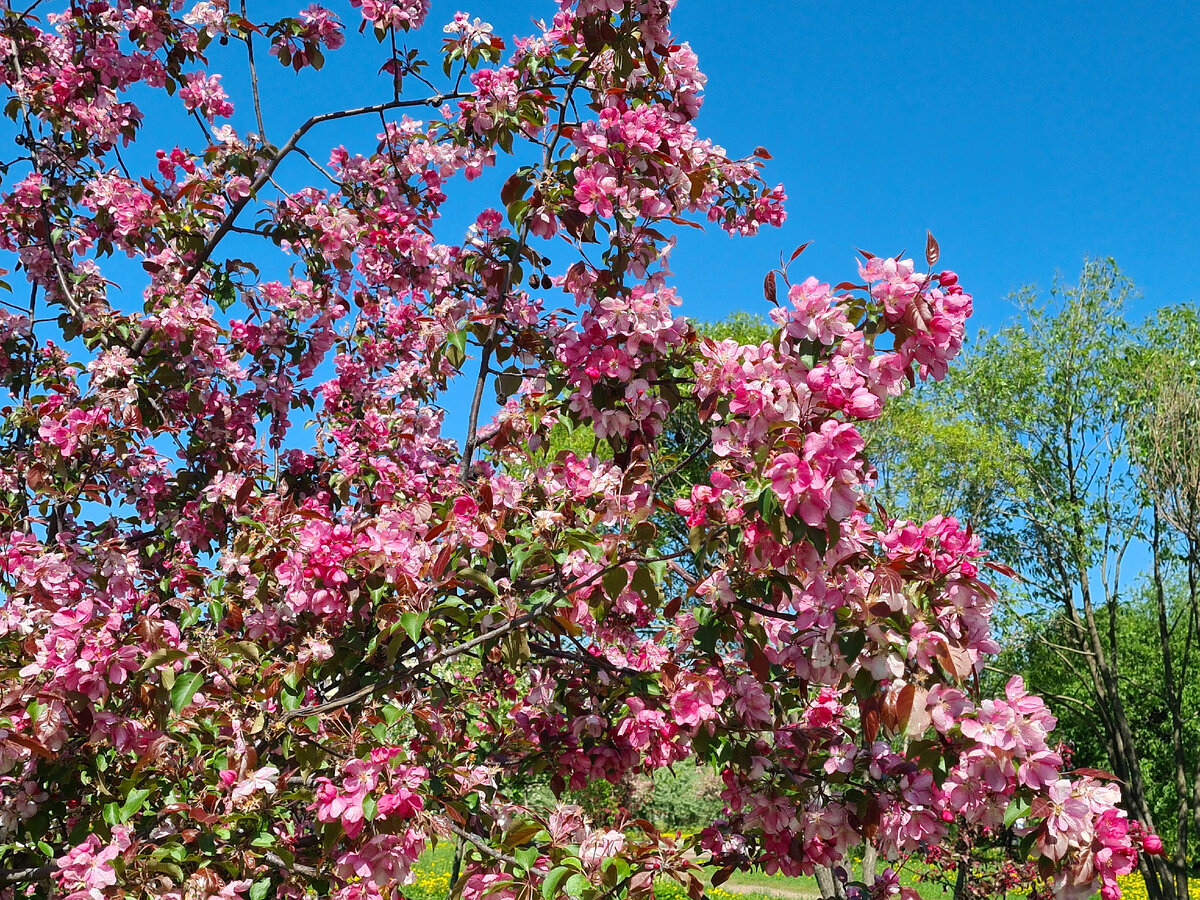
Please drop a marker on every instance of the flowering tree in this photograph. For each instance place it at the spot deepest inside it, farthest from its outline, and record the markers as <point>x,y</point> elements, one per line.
<point>247,655</point>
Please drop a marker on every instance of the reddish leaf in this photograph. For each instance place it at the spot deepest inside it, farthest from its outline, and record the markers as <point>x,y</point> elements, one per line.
<point>30,744</point>
<point>1007,571</point>
<point>243,493</point>
<point>871,817</point>
<point>439,566</point>
<point>955,661</point>
<point>911,710</point>
<point>770,291</point>
<point>1098,774</point>
<point>758,662</point>
<point>641,885</point>
<point>721,876</point>
<point>870,721</point>
<point>761,153</point>
<point>647,826</point>
<point>865,254</point>
<point>850,286</point>
<point>513,188</point>
<point>799,250</point>
<point>932,251</point>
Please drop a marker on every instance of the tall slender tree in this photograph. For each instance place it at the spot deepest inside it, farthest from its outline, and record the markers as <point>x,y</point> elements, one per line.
<point>1059,450</point>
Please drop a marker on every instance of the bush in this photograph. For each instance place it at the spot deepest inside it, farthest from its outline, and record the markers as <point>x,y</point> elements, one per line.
<point>687,797</point>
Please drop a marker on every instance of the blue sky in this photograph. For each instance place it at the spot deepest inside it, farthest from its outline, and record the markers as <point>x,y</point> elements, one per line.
<point>1025,135</point>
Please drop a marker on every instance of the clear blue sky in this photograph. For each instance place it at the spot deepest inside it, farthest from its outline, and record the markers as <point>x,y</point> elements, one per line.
<point>1025,135</point>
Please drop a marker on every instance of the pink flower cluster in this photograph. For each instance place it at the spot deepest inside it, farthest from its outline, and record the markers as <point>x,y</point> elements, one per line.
<point>612,359</point>
<point>397,786</point>
<point>823,481</point>
<point>87,870</point>
<point>71,430</point>
<point>314,28</point>
<point>404,15</point>
<point>928,322</point>
<point>204,93</point>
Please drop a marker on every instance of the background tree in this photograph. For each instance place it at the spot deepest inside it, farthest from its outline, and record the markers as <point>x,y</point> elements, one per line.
<point>1052,435</point>
<point>1166,438</point>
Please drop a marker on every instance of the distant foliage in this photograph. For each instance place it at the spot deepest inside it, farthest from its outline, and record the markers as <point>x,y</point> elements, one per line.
<point>683,797</point>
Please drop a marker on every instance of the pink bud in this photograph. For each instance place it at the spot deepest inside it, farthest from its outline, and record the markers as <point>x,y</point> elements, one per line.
<point>947,816</point>
<point>1152,844</point>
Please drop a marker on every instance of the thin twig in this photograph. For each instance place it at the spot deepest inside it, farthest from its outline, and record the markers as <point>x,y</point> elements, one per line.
<point>262,130</point>
<point>483,846</point>
<point>265,176</point>
<point>26,876</point>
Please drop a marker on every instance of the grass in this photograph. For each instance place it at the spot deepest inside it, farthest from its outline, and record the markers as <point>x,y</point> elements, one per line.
<point>1134,888</point>
<point>432,882</point>
<point>805,888</point>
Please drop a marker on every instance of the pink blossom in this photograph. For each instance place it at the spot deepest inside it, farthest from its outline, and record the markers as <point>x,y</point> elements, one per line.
<point>205,94</point>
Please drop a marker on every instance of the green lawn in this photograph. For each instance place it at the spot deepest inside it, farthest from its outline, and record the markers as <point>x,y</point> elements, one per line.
<point>761,884</point>
<point>432,873</point>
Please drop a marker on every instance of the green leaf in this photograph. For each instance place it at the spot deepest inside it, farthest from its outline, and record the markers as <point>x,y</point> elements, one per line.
<point>412,623</point>
<point>223,293</point>
<point>617,863</point>
<point>133,803</point>
<point>646,586</point>
<point>851,644</point>
<point>552,881</point>
<point>527,857</point>
<point>258,890</point>
<point>520,555</point>
<point>160,656</point>
<point>247,649</point>
<point>290,700</point>
<point>456,353</point>
<point>1017,808</point>
<point>577,884</point>
<point>615,581</point>
<point>479,578</point>
<point>184,689</point>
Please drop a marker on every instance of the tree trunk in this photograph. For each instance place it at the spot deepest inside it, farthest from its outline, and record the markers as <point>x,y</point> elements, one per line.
<point>1160,885</point>
<point>960,883</point>
<point>1174,702</point>
<point>870,857</point>
<point>830,887</point>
